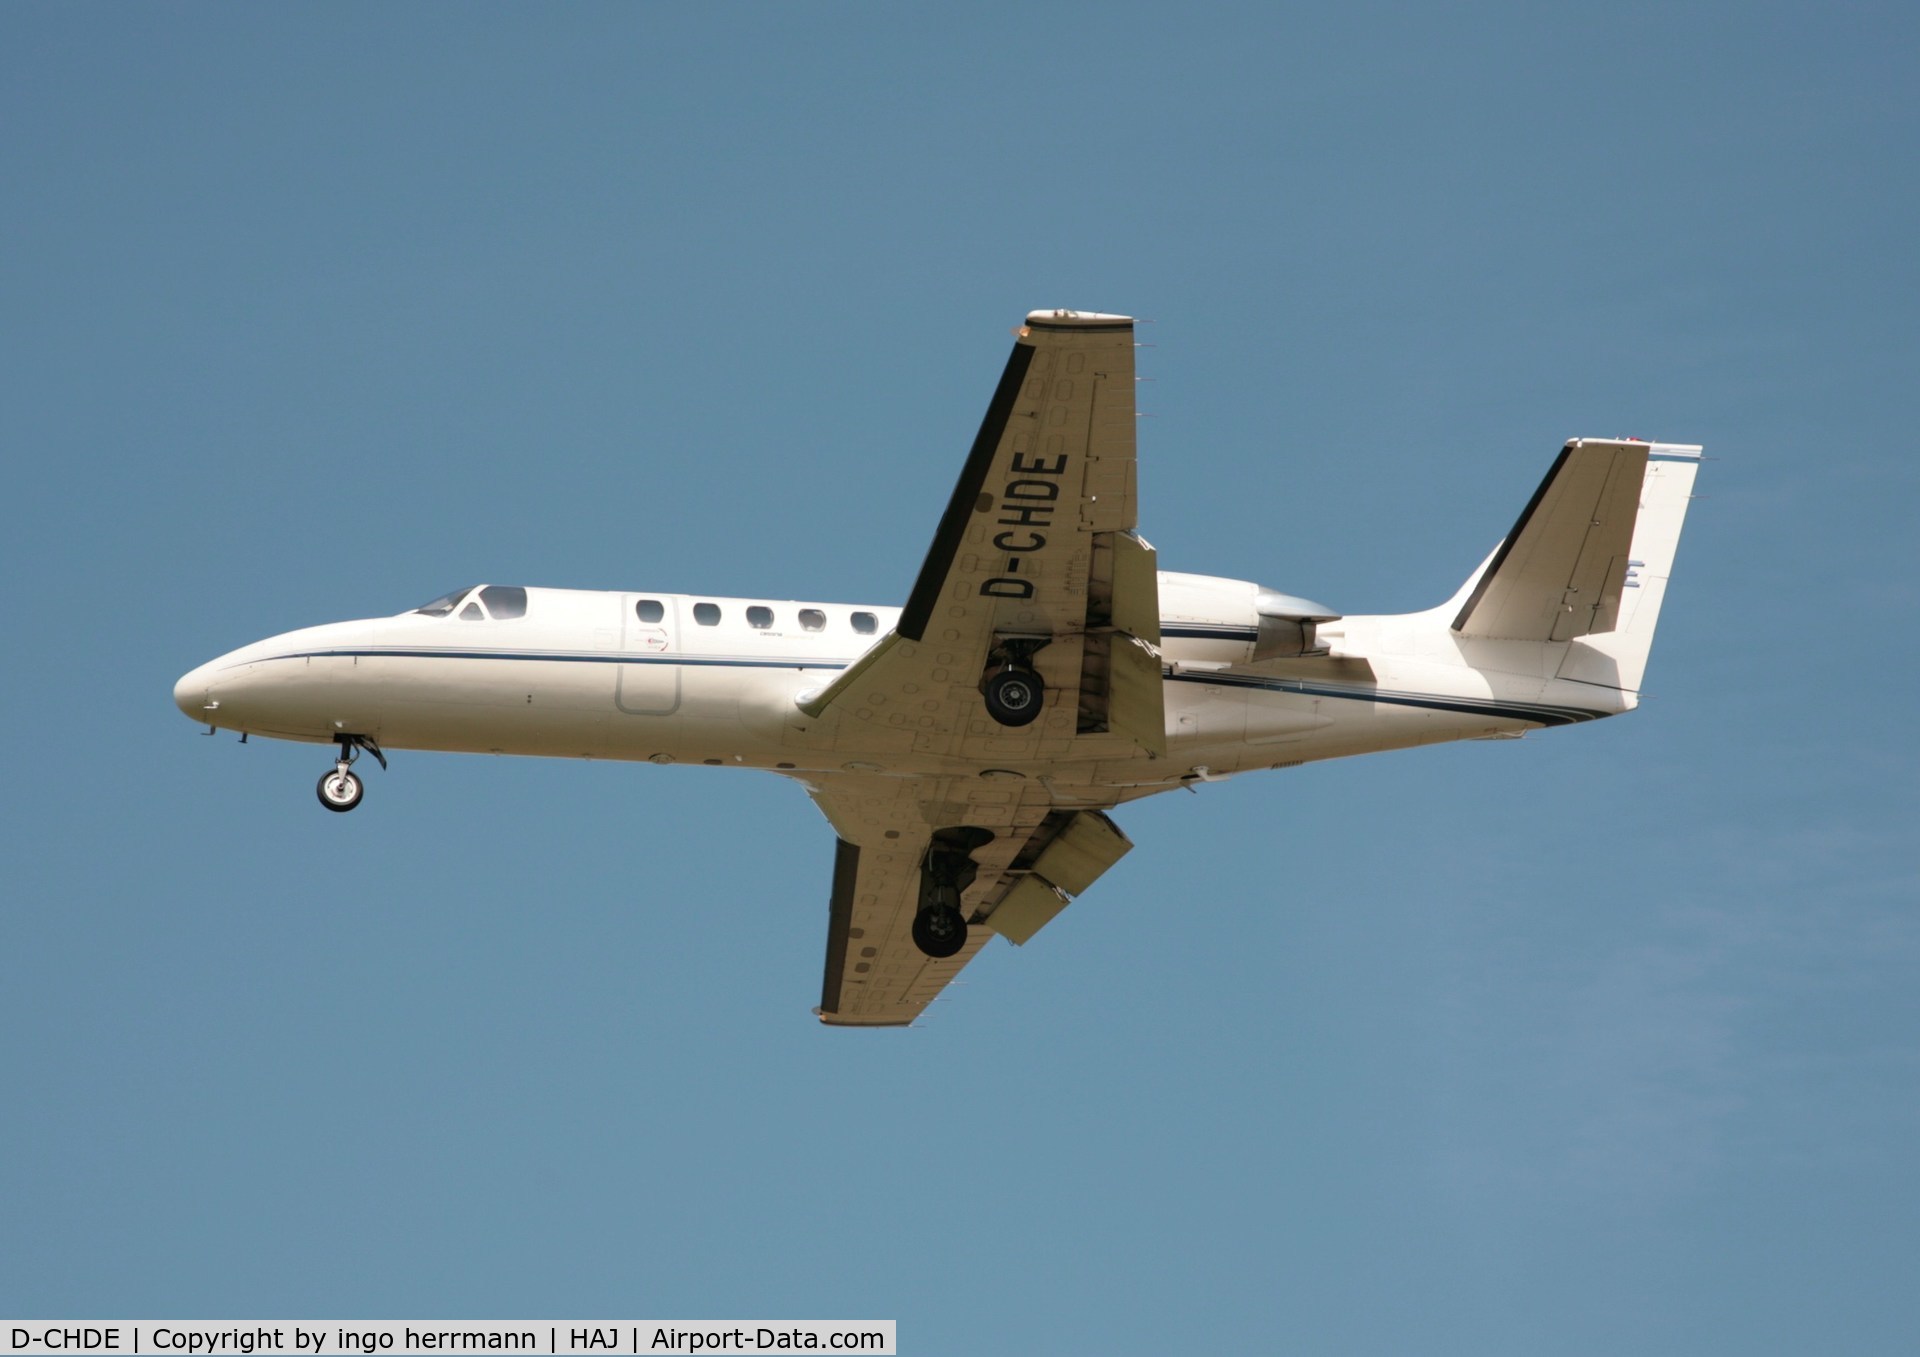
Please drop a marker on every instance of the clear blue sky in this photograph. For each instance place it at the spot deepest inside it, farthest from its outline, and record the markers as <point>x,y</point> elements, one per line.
<point>1607,1041</point>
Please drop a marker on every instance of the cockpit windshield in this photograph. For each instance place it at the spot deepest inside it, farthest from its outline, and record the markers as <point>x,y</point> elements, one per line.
<point>496,602</point>
<point>446,603</point>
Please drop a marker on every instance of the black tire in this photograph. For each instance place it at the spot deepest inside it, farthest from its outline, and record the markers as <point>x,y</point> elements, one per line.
<point>940,932</point>
<point>1015,696</point>
<point>340,791</point>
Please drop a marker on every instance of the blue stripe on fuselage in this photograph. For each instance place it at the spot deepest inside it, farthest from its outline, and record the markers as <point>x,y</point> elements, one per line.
<point>1186,632</point>
<point>555,657</point>
<point>1536,712</point>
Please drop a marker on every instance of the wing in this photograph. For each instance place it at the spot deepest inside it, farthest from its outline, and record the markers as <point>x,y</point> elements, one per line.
<point>1035,562</point>
<point>1031,852</point>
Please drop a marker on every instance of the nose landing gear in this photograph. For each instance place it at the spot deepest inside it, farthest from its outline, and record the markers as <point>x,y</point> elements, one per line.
<point>341,789</point>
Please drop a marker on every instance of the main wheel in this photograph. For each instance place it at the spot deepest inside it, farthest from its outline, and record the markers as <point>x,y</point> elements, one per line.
<point>340,790</point>
<point>940,931</point>
<point>1015,696</point>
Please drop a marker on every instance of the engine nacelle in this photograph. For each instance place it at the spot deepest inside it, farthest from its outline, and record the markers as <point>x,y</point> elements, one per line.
<point>1211,620</point>
<point>1287,625</point>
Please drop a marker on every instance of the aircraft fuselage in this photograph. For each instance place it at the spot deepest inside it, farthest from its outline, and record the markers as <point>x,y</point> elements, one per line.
<point>704,680</point>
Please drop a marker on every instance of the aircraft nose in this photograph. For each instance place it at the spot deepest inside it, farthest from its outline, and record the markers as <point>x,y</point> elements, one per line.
<point>190,694</point>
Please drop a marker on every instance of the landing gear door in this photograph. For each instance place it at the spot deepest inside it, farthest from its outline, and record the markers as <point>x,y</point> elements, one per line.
<point>649,682</point>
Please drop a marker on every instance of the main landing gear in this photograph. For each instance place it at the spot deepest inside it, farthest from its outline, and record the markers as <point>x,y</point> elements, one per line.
<point>340,790</point>
<point>1014,695</point>
<point>939,928</point>
<point>940,931</point>
<point>1013,691</point>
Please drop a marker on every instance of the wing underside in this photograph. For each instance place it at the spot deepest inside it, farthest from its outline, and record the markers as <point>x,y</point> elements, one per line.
<point>1035,567</point>
<point>1029,854</point>
<point>1035,562</point>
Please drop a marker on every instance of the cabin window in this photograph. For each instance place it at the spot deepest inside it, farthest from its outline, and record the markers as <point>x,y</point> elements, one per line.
<point>504,600</point>
<point>759,617</point>
<point>707,614</point>
<point>812,619</point>
<point>472,613</point>
<point>650,610</point>
<point>866,623</point>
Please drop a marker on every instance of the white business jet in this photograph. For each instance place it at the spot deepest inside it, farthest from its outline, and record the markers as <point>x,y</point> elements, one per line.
<point>966,747</point>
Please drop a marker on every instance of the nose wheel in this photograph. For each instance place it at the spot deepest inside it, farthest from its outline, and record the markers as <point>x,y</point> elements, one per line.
<point>341,789</point>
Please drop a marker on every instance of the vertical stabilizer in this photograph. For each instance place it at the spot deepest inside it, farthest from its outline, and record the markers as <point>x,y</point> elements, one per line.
<point>1617,658</point>
<point>1561,572</point>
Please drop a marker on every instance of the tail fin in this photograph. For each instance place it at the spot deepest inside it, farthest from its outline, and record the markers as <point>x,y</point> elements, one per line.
<point>1618,658</point>
<point>1588,560</point>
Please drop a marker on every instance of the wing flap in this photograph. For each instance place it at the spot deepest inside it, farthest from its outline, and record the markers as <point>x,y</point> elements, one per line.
<point>1084,844</point>
<point>1136,694</point>
<point>1030,905</point>
<point>1135,607</point>
<point>1078,855</point>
